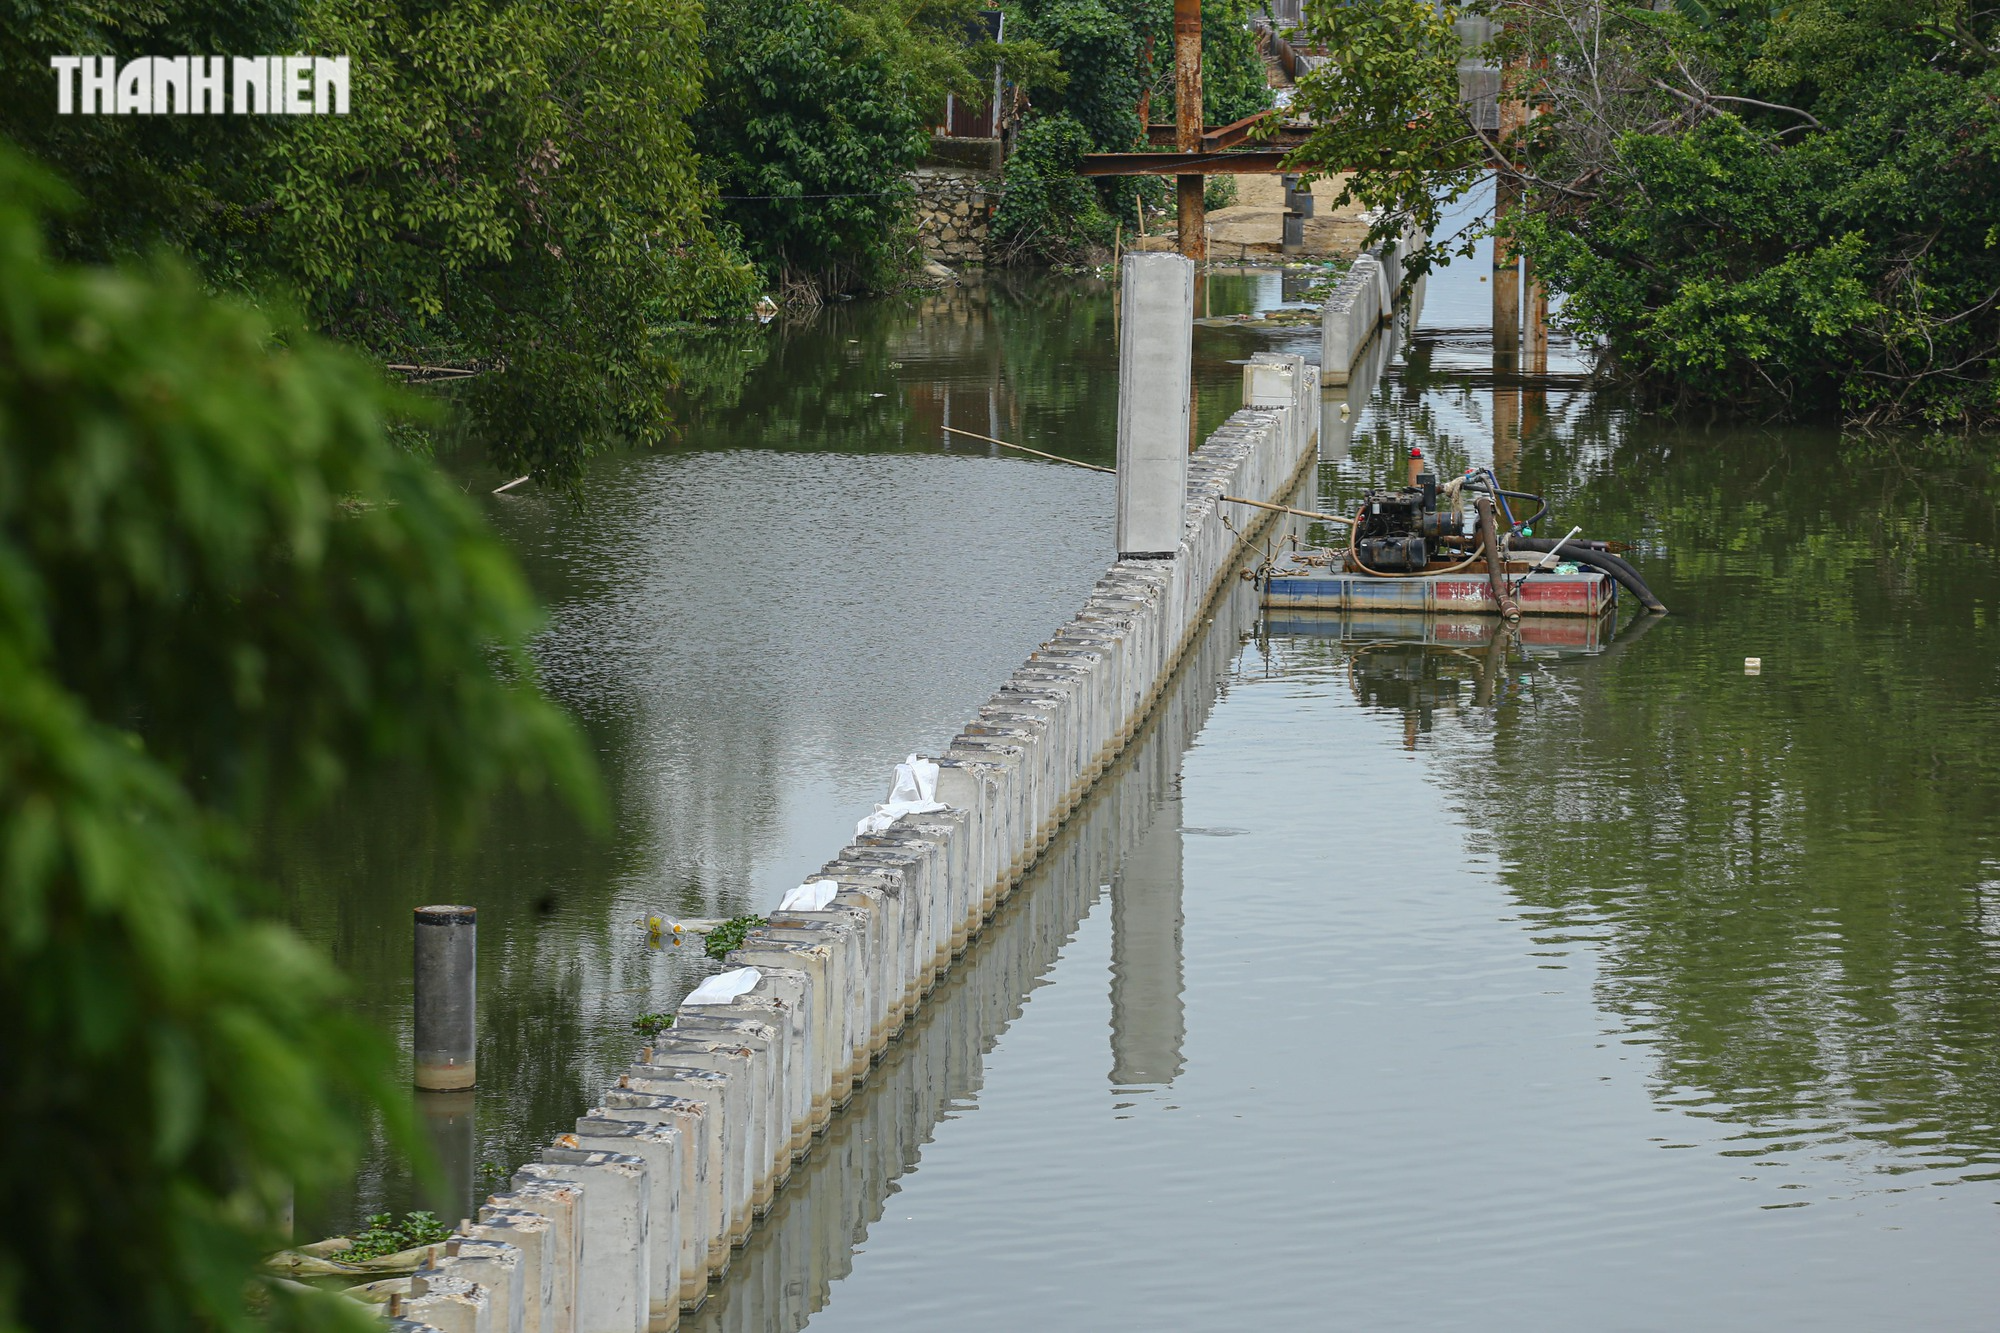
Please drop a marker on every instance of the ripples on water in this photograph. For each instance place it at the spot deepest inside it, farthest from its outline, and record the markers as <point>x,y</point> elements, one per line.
<point>1384,985</point>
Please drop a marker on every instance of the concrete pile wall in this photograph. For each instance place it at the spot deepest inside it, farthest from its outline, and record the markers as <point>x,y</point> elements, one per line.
<point>623,1223</point>
<point>1367,296</point>
<point>806,1245</point>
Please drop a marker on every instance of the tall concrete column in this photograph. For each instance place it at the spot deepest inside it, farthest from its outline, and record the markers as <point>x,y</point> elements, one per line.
<point>1155,370</point>
<point>447,976</point>
<point>1506,267</point>
<point>1188,126</point>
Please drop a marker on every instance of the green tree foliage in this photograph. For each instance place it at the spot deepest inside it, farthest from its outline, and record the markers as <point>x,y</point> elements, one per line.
<point>515,186</point>
<point>181,181</point>
<point>1048,211</point>
<point>517,181</point>
<point>223,590</point>
<point>816,111</point>
<point>1801,205</point>
<point>1385,107</point>
<point>1111,56</point>
<point>810,125</point>
<point>1785,209</point>
<point>1109,53</point>
<point>1234,82</point>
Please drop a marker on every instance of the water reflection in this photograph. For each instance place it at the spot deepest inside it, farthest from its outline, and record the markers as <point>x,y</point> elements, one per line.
<point>1424,667</point>
<point>1790,875</point>
<point>1125,842</point>
<point>751,628</point>
<point>1785,880</point>
<point>1611,958</point>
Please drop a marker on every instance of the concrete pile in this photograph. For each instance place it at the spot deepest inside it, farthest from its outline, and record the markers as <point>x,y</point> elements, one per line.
<point>1366,297</point>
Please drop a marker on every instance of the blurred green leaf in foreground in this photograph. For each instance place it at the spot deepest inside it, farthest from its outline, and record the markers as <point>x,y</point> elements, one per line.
<point>223,592</point>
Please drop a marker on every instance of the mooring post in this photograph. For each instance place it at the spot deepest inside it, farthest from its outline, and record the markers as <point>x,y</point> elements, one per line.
<point>447,973</point>
<point>1155,372</point>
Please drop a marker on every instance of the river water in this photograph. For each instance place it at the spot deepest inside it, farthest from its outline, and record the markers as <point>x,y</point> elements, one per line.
<point>1597,985</point>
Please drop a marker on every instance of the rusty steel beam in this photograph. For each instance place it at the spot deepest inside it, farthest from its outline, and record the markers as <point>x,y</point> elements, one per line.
<point>1236,162</point>
<point>1227,136</point>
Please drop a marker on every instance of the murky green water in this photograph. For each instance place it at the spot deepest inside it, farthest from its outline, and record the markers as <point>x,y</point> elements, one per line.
<point>1384,986</point>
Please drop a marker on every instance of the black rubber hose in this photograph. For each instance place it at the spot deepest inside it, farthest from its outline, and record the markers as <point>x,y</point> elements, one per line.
<point>1610,564</point>
<point>1535,517</point>
<point>1532,519</point>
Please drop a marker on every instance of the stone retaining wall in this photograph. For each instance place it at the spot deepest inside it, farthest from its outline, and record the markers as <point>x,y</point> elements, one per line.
<point>954,208</point>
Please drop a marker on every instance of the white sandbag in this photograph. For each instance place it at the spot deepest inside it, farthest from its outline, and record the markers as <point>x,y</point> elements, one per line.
<point>724,987</point>
<point>916,781</point>
<point>811,896</point>
<point>914,793</point>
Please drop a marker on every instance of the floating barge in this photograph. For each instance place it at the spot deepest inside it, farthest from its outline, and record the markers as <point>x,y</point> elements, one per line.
<point>1316,580</point>
<point>1431,549</point>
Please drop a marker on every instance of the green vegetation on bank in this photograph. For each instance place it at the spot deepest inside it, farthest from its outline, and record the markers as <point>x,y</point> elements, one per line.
<point>224,592</point>
<point>540,191</point>
<point>514,189</point>
<point>1782,209</point>
<point>1112,57</point>
<point>534,189</point>
<point>814,114</point>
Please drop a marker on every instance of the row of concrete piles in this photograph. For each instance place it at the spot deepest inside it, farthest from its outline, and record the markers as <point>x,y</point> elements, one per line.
<point>626,1220</point>
<point>1367,297</point>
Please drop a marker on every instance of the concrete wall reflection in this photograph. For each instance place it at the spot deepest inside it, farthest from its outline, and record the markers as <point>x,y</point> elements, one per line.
<point>1148,1025</point>
<point>1127,836</point>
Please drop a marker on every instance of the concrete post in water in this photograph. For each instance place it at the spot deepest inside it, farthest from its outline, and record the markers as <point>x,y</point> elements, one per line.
<point>659,1146</point>
<point>697,1218</point>
<point>720,1150</point>
<point>562,1248</point>
<point>448,1304</point>
<point>447,973</point>
<point>498,1268</point>
<point>1283,380</point>
<point>1188,127</point>
<point>532,1234</point>
<point>1155,367</point>
<point>1348,320</point>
